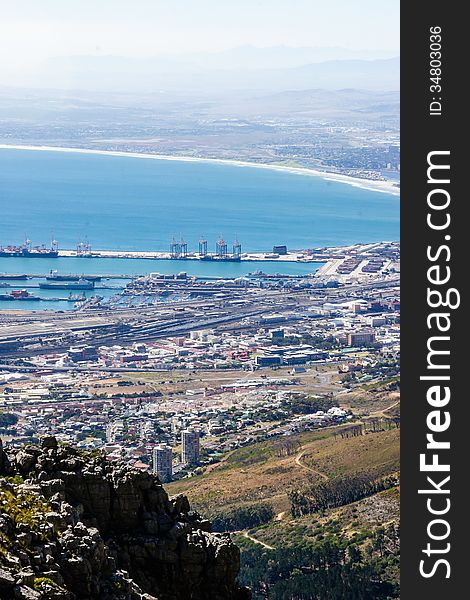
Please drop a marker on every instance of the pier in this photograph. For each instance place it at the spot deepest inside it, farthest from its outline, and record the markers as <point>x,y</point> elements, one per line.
<point>177,254</point>
<point>6,277</point>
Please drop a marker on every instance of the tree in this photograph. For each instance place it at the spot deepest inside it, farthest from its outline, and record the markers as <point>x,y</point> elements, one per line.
<point>8,419</point>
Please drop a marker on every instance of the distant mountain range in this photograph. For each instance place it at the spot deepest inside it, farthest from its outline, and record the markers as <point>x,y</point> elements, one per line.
<point>282,57</point>
<point>226,72</point>
<point>317,103</point>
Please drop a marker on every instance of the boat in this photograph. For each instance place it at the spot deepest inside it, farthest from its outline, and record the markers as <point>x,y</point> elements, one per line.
<point>21,252</point>
<point>18,295</point>
<point>13,276</point>
<point>76,297</point>
<point>28,297</point>
<point>27,250</point>
<point>81,284</point>
<point>55,276</point>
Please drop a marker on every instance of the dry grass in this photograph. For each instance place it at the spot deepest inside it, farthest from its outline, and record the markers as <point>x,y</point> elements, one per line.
<point>374,401</point>
<point>257,473</point>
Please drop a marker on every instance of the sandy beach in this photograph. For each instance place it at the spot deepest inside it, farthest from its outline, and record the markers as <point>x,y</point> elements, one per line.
<point>386,187</point>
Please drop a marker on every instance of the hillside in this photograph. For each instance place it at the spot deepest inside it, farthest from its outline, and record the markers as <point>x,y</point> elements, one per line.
<point>267,471</point>
<point>289,548</point>
<point>75,526</point>
<point>375,399</point>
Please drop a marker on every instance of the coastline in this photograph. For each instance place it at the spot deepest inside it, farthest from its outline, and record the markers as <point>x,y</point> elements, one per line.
<point>386,187</point>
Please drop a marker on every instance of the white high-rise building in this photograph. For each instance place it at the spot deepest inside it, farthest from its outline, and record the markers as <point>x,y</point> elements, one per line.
<point>163,462</point>
<point>190,446</point>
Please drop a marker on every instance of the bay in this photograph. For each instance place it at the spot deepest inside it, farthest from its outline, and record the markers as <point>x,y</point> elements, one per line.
<point>129,203</point>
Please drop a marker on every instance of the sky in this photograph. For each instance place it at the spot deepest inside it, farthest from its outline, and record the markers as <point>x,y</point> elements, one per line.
<point>32,31</point>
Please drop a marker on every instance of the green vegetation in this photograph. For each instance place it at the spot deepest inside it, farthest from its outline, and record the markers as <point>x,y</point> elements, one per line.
<point>342,551</point>
<point>334,568</point>
<point>246,517</point>
<point>94,432</point>
<point>24,509</point>
<point>46,585</point>
<point>391,384</point>
<point>317,341</point>
<point>7,420</point>
<point>16,479</point>
<point>306,404</point>
<point>337,492</point>
<point>335,556</point>
<point>249,455</point>
<point>385,369</point>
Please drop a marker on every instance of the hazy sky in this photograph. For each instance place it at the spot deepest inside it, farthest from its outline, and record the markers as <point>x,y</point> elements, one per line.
<point>33,30</point>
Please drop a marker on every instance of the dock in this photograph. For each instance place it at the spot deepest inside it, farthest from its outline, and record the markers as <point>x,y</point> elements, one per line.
<point>296,256</point>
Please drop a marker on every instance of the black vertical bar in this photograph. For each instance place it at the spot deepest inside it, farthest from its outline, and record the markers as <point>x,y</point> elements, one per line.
<point>426,128</point>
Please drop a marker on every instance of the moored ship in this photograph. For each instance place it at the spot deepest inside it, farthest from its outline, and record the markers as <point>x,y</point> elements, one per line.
<point>18,295</point>
<point>55,276</point>
<point>13,277</point>
<point>27,250</point>
<point>81,284</point>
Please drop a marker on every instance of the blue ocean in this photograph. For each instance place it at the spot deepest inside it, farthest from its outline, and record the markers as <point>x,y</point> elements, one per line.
<point>119,203</point>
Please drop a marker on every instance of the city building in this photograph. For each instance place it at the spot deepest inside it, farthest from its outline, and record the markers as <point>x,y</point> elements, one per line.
<point>163,462</point>
<point>83,354</point>
<point>268,361</point>
<point>360,338</point>
<point>190,446</point>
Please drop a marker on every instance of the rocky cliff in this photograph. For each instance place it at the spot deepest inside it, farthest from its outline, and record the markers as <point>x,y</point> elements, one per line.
<point>75,526</point>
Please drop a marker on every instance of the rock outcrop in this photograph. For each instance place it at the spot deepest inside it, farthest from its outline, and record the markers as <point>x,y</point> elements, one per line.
<point>74,526</point>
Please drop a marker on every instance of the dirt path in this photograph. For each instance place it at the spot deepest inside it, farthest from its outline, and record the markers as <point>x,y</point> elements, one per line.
<point>391,406</point>
<point>251,538</point>
<point>301,464</point>
<point>379,413</point>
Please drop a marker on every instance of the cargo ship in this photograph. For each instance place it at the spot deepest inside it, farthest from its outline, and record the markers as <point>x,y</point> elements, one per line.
<point>12,277</point>
<point>81,284</point>
<point>55,276</point>
<point>27,250</point>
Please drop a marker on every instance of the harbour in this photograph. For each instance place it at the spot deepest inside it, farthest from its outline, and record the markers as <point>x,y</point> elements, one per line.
<point>97,282</point>
<point>108,266</point>
<point>49,279</point>
<point>232,222</point>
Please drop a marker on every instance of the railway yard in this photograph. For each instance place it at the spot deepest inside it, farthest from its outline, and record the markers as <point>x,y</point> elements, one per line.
<point>222,308</point>
<point>237,359</point>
